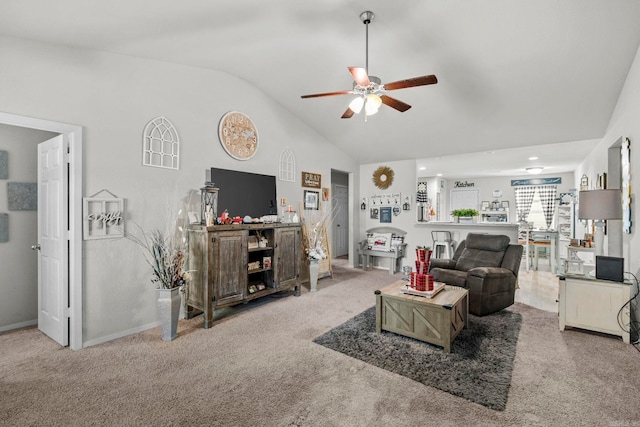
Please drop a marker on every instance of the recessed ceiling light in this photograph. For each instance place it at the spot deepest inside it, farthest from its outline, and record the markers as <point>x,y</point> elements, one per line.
<point>533,158</point>
<point>535,170</point>
<point>438,174</point>
<point>422,168</point>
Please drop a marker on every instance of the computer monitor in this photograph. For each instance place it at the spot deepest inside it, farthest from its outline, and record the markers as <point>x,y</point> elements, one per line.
<point>610,268</point>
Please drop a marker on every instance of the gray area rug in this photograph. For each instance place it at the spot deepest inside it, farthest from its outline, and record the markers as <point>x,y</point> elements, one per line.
<point>477,369</point>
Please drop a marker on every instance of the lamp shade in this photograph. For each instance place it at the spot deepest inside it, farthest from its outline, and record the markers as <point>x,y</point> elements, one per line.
<point>600,204</point>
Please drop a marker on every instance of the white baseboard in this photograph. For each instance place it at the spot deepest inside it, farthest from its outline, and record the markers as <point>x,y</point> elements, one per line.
<point>120,334</point>
<point>33,322</point>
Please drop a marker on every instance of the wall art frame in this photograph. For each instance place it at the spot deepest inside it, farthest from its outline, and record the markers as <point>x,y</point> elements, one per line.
<point>625,163</point>
<point>4,164</point>
<point>161,144</point>
<point>311,200</point>
<point>311,180</point>
<point>22,196</point>
<point>102,217</point>
<point>385,215</point>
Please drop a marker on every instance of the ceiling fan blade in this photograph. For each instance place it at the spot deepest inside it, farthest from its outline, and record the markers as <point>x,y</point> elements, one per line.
<point>348,114</point>
<point>394,103</point>
<point>360,76</point>
<point>317,95</point>
<point>416,81</point>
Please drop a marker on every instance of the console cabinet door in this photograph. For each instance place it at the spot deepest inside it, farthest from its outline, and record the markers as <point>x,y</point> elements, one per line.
<point>228,265</point>
<point>286,256</point>
<point>198,287</point>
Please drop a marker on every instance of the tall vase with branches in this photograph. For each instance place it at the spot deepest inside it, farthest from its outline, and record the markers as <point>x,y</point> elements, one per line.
<point>166,251</point>
<point>315,245</point>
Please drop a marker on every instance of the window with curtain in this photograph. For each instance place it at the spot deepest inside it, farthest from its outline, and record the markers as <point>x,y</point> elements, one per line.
<point>536,204</point>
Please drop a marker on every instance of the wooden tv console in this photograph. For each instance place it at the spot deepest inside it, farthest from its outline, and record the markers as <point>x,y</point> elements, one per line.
<point>228,265</point>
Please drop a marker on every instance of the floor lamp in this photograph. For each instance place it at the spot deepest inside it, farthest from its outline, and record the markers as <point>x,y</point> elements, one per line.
<point>600,205</point>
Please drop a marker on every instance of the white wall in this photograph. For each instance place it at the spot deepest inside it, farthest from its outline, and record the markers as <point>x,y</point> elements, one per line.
<point>624,122</point>
<point>485,187</point>
<point>113,97</point>
<point>19,283</point>
<point>405,182</point>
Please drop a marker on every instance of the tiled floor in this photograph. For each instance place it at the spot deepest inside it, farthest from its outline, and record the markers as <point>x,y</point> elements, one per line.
<point>538,288</point>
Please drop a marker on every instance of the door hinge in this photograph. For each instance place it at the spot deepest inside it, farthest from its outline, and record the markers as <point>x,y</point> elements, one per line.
<point>67,312</point>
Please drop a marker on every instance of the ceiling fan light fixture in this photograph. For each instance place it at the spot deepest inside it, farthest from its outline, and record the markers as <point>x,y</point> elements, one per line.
<point>535,170</point>
<point>371,92</point>
<point>357,104</point>
<point>373,104</point>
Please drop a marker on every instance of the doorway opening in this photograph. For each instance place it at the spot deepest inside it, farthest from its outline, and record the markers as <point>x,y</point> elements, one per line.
<point>73,134</point>
<point>340,223</point>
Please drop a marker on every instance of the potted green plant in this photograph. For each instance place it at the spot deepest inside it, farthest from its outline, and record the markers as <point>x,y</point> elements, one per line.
<point>464,215</point>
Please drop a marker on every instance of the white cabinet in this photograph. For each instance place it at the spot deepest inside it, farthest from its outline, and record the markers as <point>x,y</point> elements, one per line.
<point>565,224</point>
<point>494,215</point>
<point>594,305</point>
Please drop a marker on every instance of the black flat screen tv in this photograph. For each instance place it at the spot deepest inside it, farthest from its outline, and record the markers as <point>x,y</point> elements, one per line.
<point>244,193</point>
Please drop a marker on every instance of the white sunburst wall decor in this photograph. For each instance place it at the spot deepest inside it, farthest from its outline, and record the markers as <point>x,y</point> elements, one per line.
<point>161,144</point>
<point>287,165</point>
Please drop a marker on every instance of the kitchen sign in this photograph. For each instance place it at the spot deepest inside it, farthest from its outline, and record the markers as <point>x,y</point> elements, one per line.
<point>536,181</point>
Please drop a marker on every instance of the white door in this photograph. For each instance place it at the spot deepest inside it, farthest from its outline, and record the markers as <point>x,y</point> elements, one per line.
<point>53,211</point>
<point>341,221</point>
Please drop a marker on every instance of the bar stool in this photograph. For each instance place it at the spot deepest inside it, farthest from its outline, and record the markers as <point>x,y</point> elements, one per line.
<point>442,240</point>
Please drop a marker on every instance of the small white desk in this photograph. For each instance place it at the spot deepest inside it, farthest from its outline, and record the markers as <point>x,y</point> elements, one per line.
<point>594,305</point>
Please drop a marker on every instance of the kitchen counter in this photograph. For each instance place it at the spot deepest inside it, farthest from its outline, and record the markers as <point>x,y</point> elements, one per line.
<point>460,230</point>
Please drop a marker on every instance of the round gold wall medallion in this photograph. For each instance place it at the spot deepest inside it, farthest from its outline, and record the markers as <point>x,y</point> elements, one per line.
<point>383,177</point>
<point>238,135</point>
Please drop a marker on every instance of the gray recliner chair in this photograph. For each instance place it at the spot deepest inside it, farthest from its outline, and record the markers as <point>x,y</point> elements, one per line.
<point>485,264</point>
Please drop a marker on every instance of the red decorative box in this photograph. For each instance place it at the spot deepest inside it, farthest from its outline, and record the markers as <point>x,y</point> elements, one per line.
<point>423,254</point>
<point>422,267</point>
<point>421,282</point>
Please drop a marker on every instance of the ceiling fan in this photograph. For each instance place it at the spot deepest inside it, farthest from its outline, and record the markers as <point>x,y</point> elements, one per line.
<point>371,92</point>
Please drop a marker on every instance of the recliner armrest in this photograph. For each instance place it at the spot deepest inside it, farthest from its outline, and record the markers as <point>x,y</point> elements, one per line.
<point>483,272</point>
<point>442,263</point>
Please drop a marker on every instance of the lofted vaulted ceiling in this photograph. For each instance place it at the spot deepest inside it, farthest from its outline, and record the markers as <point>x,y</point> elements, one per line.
<point>516,75</point>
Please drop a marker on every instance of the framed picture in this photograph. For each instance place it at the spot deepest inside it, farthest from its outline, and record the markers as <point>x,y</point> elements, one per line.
<point>310,179</point>
<point>601,181</point>
<point>504,204</point>
<point>311,199</point>
<point>584,183</point>
<point>385,214</point>
<point>325,194</point>
<point>373,213</point>
<point>484,206</point>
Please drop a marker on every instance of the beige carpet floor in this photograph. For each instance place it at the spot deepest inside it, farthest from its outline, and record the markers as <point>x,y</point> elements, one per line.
<point>258,366</point>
